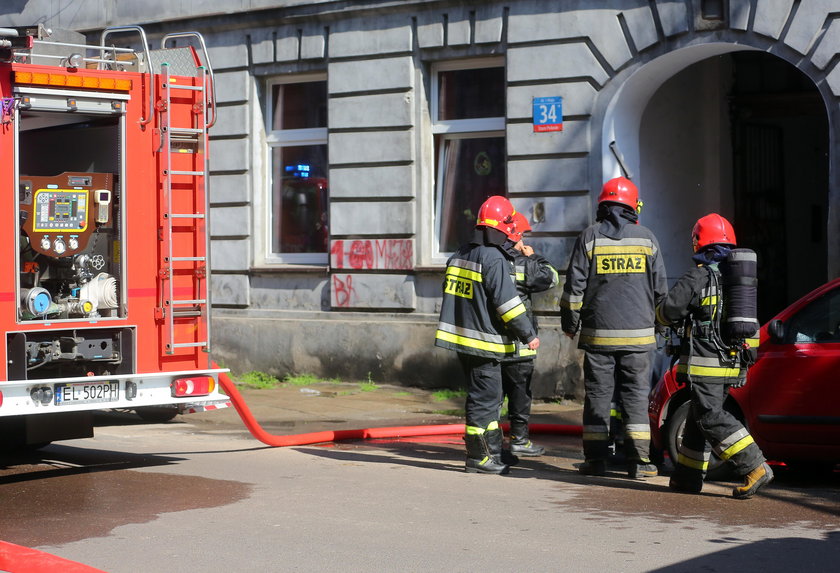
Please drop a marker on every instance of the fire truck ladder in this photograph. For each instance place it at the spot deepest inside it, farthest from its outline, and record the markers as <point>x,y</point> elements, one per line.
<point>185,256</point>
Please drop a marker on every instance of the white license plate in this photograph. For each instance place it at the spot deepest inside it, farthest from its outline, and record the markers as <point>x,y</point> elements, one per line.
<point>86,393</point>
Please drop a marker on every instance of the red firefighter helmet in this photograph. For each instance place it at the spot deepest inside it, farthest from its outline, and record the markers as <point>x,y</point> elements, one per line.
<point>712,230</point>
<point>496,212</point>
<point>520,226</point>
<point>621,190</point>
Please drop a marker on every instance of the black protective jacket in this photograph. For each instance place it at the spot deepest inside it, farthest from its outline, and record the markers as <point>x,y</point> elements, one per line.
<point>613,284</point>
<point>696,303</point>
<point>533,274</point>
<point>481,313</point>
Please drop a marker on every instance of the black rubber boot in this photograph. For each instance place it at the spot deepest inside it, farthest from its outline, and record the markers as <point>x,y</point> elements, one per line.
<point>495,439</point>
<point>525,447</point>
<point>686,481</point>
<point>520,442</point>
<point>508,458</point>
<point>642,469</point>
<point>593,468</point>
<point>481,457</point>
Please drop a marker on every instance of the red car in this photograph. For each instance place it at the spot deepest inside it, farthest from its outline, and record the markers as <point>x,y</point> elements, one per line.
<point>791,402</point>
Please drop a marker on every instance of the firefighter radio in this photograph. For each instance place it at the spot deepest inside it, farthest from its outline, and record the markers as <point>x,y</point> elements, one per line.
<point>103,200</point>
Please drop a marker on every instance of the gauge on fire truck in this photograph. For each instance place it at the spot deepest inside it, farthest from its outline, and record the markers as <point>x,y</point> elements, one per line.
<point>36,300</point>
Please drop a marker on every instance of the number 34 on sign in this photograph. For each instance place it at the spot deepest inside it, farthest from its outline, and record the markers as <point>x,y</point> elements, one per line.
<point>548,114</point>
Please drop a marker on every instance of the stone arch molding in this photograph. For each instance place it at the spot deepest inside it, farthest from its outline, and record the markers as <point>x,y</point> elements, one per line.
<point>805,34</point>
<point>623,116</point>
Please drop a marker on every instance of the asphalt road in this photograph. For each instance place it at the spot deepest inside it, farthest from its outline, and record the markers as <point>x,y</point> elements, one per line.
<point>193,496</point>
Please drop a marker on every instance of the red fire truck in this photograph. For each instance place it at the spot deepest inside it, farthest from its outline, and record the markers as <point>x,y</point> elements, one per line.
<point>104,276</point>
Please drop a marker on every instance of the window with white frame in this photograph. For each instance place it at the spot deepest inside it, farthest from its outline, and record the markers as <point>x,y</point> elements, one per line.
<point>468,123</point>
<point>298,198</point>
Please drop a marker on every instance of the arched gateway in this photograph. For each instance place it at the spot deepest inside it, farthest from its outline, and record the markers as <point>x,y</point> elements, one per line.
<point>729,121</point>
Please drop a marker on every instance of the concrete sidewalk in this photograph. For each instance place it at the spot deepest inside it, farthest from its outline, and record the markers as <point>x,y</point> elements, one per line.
<point>291,409</point>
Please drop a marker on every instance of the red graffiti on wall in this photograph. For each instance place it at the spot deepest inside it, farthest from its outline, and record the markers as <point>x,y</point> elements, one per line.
<point>376,254</point>
<point>342,290</point>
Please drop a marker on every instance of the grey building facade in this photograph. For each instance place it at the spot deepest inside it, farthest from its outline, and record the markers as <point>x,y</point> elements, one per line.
<point>355,138</point>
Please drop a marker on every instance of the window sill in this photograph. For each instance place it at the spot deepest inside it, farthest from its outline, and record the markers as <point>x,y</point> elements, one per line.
<point>290,267</point>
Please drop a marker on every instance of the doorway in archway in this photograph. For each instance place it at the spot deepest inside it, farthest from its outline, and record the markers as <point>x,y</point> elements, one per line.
<point>780,170</point>
<point>744,134</point>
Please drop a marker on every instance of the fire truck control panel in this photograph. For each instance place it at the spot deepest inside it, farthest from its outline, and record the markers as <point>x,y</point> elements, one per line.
<point>67,241</point>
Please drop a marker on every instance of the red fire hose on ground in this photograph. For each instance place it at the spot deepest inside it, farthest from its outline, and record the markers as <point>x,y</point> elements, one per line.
<point>19,559</point>
<point>363,434</point>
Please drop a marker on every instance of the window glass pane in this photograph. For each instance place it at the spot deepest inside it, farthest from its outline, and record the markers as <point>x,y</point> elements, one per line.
<point>299,106</point>
<point>469,94</point>
<point>474,169</point>
<point>817,322</point>
<point>299,199</point>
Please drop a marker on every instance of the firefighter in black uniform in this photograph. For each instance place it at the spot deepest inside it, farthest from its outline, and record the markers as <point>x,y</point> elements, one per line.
<point>615,278</point>
<point>533,274</point>
<point>710,367</point>
<point>481,318</point>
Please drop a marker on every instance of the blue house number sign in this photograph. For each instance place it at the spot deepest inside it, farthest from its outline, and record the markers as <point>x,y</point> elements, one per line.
<point>548,114</point>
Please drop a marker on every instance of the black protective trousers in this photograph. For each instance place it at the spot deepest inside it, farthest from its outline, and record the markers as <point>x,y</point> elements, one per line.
<point>711,428</point>
<point>516,384</point>
<point>629,374</point>
<point>484,389</point>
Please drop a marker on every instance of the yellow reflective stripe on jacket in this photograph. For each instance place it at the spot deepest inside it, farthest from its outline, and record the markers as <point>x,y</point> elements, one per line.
<point>709,301</point>
<point>606,337</point>
<point>525,351</point>
<point>511,309</point>
<point>465,264</point>
<point>571,301</point>
<point>710,371</point>
<point>709,297</point>
<point>473,333</point>
<point>606,341</point>
<point>708,291</point>
<point>622,250</point>
<point>626,246</point>
<point>513,313</point>
<point>463,273</point>
<point>503,348</point>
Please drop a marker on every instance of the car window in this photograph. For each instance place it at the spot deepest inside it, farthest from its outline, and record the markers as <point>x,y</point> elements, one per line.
<point>817,322</point>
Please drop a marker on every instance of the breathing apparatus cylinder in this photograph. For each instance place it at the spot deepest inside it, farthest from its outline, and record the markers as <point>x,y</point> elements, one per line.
<point>739,277</point>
